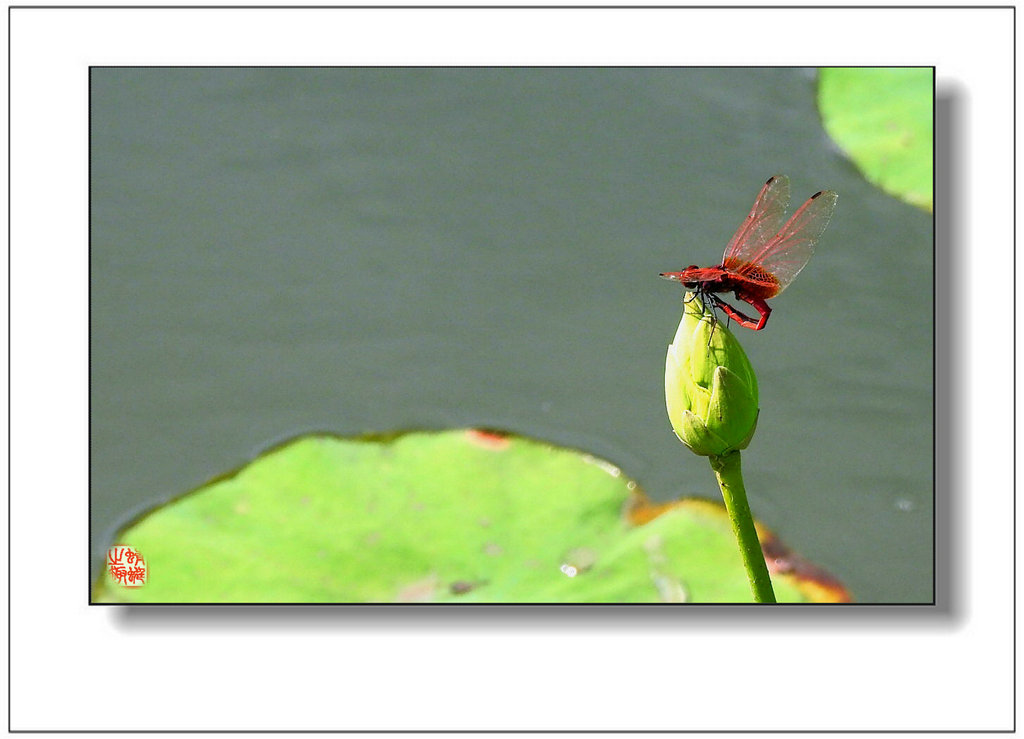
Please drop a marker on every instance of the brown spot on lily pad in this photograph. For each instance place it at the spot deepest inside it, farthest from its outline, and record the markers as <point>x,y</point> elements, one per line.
<point>487,439</point>
<point>815,583</point>
<point>639,509</point>
<point>809,577</point>
<point>420,591</point>
<point>460,587</point>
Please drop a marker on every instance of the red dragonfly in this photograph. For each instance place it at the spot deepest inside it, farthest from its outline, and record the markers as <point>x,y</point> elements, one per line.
<point>764,256</point>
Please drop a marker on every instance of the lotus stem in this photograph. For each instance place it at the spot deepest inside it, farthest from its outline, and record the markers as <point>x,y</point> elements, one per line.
<point>730,480</point>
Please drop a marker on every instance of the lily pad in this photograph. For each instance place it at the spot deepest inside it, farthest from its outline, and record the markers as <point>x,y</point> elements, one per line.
<point>462,516</point>
<point>883,119</point>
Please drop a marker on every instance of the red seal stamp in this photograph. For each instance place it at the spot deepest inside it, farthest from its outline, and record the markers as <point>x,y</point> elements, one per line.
<point>126,566</point>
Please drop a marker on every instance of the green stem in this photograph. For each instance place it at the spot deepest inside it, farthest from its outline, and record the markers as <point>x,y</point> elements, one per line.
<point>730,479</point>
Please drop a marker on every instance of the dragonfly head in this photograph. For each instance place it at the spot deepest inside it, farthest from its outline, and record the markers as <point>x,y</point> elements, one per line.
<point>685,276</point>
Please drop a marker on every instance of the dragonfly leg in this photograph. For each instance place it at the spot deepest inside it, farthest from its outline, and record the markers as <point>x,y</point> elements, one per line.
<point>757,303</point>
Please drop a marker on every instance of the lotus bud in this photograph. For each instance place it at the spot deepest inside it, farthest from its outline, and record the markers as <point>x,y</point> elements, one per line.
<point>710,387</point>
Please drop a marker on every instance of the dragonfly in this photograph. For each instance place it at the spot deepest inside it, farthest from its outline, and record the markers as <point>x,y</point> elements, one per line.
<point>764,255</point>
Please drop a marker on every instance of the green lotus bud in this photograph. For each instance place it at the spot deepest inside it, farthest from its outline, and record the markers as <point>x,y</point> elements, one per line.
<point>710,387</point>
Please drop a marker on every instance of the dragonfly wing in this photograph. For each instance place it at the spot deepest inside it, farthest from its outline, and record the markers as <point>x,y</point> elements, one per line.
<point>785,254</point>
<point>763,222</point>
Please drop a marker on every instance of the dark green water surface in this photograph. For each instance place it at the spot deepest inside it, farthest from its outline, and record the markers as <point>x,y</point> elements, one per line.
<point>277,251</point>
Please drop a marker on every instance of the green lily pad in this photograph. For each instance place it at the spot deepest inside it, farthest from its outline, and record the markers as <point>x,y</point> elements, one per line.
<point>455,516</point>
<point>882,118</point>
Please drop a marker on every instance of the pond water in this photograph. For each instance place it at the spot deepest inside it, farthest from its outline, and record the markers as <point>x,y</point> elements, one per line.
<point>279,251</point>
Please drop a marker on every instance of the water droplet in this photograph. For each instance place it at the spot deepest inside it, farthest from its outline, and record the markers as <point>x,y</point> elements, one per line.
<point>580,559</point>
<point>603,464</point>
<point>670,590</point>
<point>652,545</point>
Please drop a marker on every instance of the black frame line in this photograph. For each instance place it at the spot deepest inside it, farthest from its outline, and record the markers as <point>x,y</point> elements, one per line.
<point>519,604</point>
